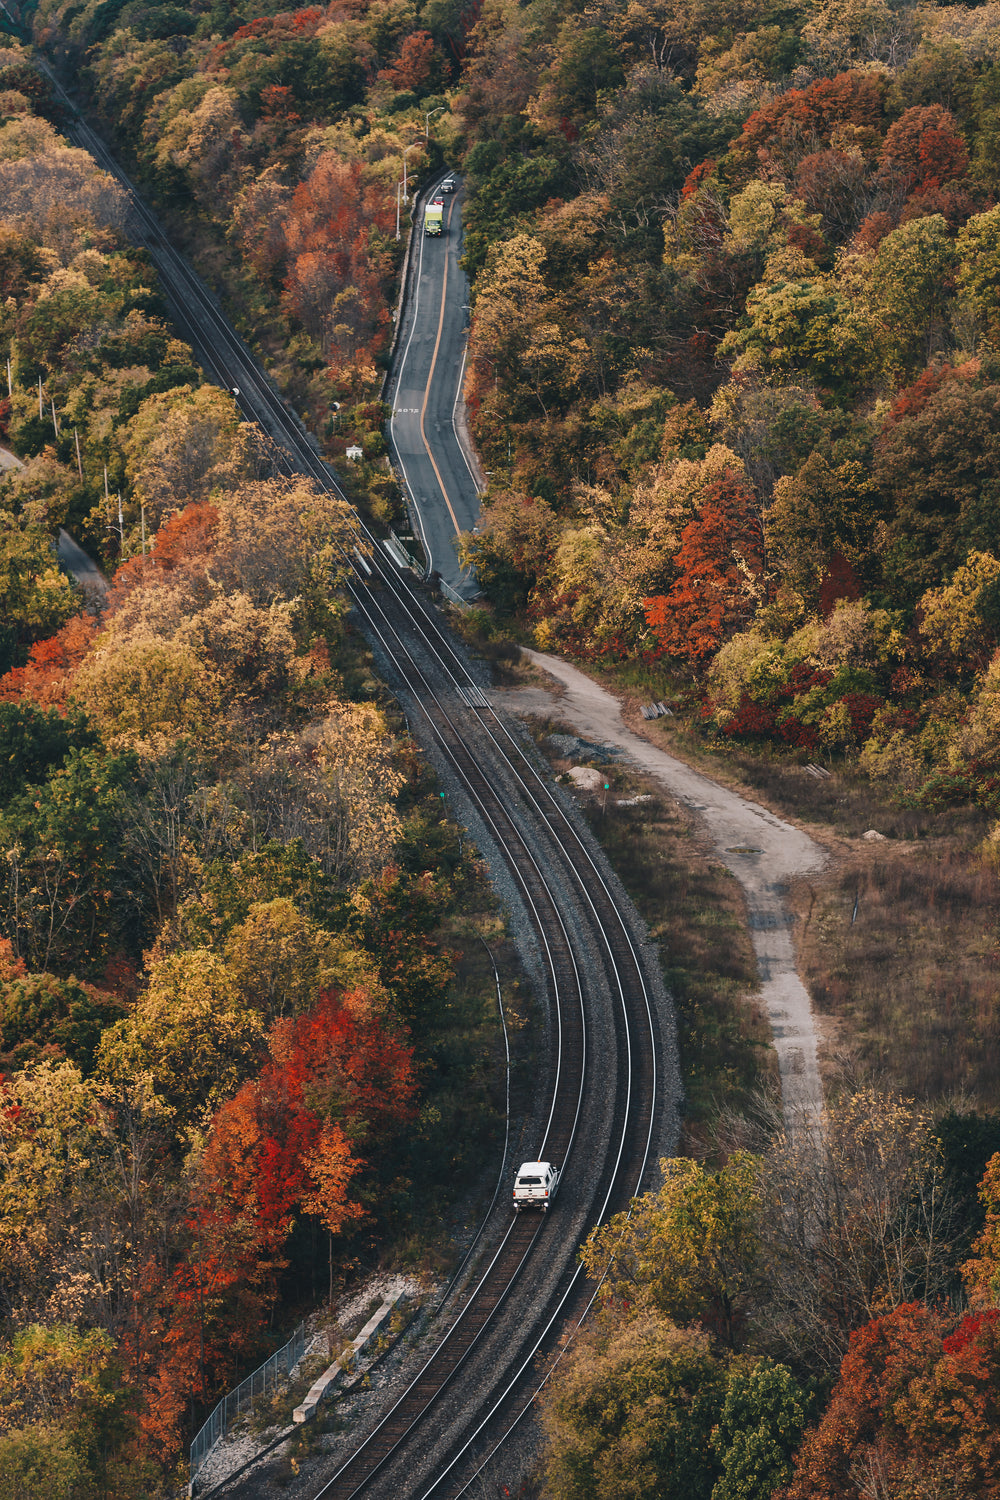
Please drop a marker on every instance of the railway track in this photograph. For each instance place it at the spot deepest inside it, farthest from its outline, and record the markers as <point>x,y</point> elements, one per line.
<point>609,1024</point>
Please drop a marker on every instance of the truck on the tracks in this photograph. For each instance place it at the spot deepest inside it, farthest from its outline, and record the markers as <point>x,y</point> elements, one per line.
<point>535,1185</point>
<point>434,217</point>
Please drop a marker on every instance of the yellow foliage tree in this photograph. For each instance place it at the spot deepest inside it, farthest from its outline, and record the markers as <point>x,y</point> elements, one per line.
<point>690,1250</point>
<point>148,693</point>
<point>182,446</point>
<point>355,756</point>
<point>279,959</point>
<point>951,616</point>
<point>281,538</point>
<point>190,1033</point>
<point>977,738</point>
<point>981,1273</point>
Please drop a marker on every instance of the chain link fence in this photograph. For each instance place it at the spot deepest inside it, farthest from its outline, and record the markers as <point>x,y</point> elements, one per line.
<point>265,1378</point>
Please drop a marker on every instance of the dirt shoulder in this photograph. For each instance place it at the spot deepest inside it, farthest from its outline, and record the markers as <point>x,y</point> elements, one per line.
<point>764,852</point>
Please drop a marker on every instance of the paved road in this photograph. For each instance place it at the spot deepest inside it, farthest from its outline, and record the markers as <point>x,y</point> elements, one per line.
<point>425,394</point>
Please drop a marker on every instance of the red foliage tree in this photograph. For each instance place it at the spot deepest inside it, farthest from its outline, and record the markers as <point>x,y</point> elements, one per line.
<point>909,1404</point>
<point>277,102</point>
<point>873,230</point>
<point>696,177</point>
<point>188,535</point>
<point>48,676</point>
<point>282,1146</point>
<point>911,401</point>
<point>800,121</point>
<point>839,582</point>
<point>345,1062</point>
<point>922,152</point>
<point>338,1074</point>
<point>414,64</point>
<point>721,555</point>
<point>336,274</point>
<point>835,185</point>
<point>883,1358</point>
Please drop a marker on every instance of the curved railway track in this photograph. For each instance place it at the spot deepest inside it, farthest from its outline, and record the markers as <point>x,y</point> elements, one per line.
<point>609,1023</point>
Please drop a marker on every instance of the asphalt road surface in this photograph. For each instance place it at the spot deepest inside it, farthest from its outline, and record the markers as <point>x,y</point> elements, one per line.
<point>443,493</point>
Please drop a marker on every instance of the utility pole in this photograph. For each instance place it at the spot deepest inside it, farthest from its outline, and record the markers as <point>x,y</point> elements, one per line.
<point>41,412</point>
<point>55,419</point>
<point>79,460</point>
<point>411,147</point>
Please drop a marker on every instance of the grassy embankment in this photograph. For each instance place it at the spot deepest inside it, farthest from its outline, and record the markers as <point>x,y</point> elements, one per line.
<point>899,941</point>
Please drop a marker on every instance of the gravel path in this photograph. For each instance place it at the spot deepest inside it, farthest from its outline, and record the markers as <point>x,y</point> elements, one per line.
<point>761,850</point>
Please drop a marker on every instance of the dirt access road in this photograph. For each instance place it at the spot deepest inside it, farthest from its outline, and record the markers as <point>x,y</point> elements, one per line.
<point>762,851</point>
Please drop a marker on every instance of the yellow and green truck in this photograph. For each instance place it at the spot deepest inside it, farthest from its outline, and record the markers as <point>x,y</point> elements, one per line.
<point>434,217</point>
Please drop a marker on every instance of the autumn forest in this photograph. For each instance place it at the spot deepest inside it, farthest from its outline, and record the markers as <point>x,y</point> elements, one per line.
<point>734,372</point>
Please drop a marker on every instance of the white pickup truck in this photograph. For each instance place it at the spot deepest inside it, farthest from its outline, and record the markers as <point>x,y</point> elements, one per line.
<point>535,1185</point>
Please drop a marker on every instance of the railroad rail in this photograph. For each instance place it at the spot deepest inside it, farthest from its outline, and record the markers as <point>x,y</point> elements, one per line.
<point>609,1023</point>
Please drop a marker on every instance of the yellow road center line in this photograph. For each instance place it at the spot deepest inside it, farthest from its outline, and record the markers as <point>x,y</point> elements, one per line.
<point>430,377</point>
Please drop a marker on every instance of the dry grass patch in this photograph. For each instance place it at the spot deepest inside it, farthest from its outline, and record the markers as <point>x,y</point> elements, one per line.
<point>695,912</point>
<point>901,947</point>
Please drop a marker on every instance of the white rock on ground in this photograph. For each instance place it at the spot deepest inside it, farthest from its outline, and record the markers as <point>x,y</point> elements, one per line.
<point>586,778</point>
<point>762,850</point>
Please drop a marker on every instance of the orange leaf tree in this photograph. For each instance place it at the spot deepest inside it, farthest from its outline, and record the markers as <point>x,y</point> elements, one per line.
<point>720,568</point>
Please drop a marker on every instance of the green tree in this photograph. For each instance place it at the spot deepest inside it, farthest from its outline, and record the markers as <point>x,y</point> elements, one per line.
<point>512,549</point>
<point>936,461</point>
<point>40,1011</point>
<point>761,1424</point>
<point>67,1419</point>
<point>807,326</point>
<point>33,741</point>
<point>825,511</point>
<point>912,286</point>
<point>63,894</point>
<point>630,1411</point>
<point>43,1459</point>
<point>978,274</point>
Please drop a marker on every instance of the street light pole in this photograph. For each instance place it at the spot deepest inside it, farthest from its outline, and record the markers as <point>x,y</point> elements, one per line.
<point>428,117</point>
<point>398,186</point>
<point>411,147</point>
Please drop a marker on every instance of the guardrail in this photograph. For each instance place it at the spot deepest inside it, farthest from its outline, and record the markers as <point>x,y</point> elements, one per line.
<point>453,597</point>
<point>265,1377</point>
